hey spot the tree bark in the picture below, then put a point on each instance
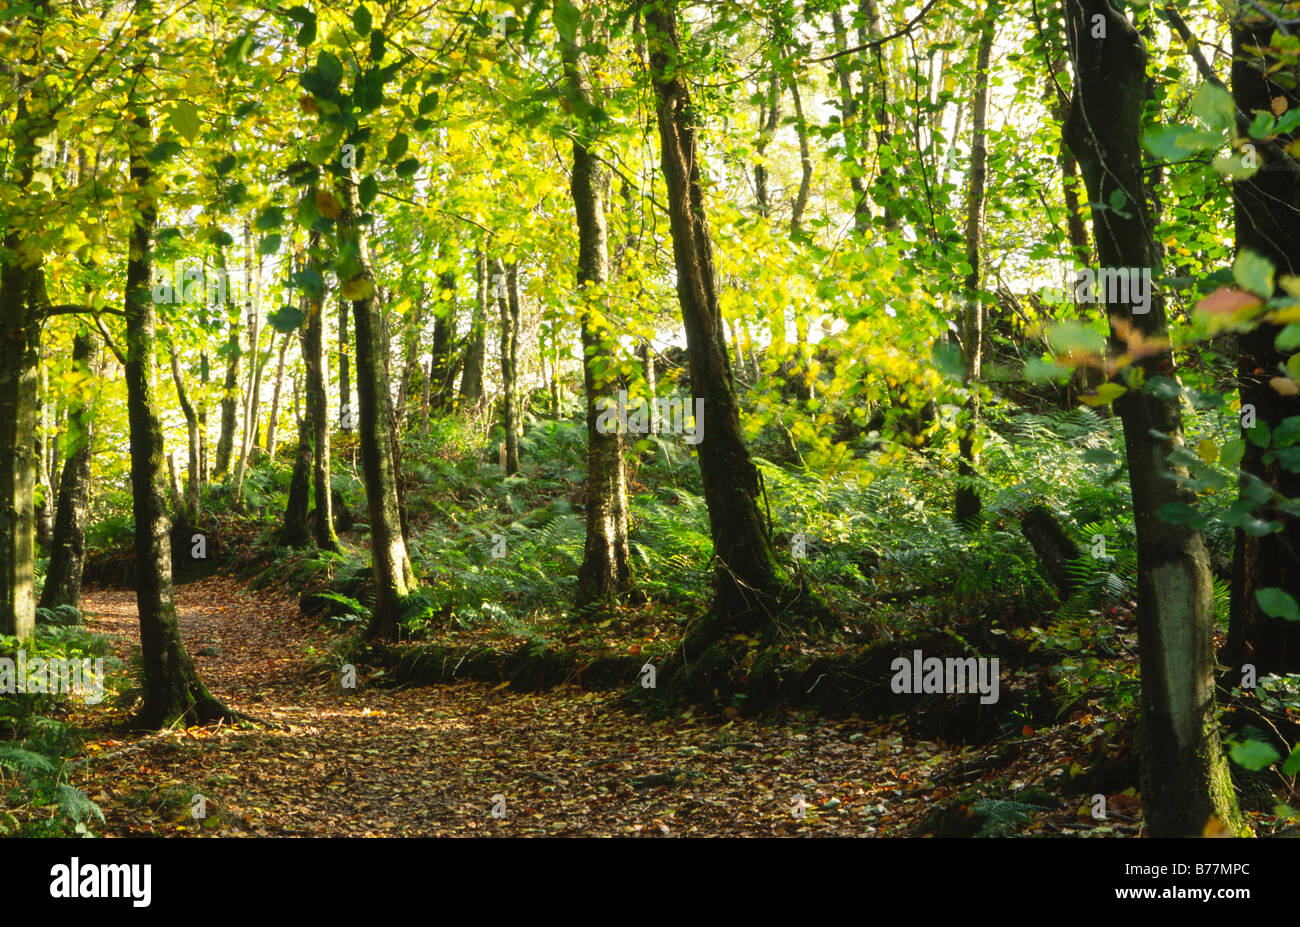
(1185, 778)
(967, 506)
(273, 425)
(1266, 207)
(20, 339)
(443, 364)
(508, 304)
(68, 550)
(471, 381)
(192, 430)
(313, 350)
(604, 573)
(747, 581)
(230, 388)
(171, 688)
(394, 577)
(347, 411)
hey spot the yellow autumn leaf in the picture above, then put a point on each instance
(1208, 451)
(358, 288)
(329, 206)
(1105, 394)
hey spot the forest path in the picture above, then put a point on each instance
(428, 761)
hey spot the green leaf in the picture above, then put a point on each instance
(329, 67)
(361, 20)
(428, 103)
(185, 117)
(237, 52)
(367, 189)
(310, 281)
(1232, 453)
(1254, 755)
(1254, 272)
(1076, 338)
(377, 44)
(1180, 513)
(287, 319)
(163, 151)
(1277, 603)
(1175, 143)
(1288, 339)
(1292, 764)
(1213, 106)
(1263, 125)
(269, 245)
(272, 217)
(397, 147)
(567, 20)
(408, 167)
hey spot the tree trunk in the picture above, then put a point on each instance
(411, 357)
(68, 550)
(192, 429)
(248, 439)
(1185, 779)
(747, 581)
(273, 426)
(508, 303)
(442, 366)
(313, 350)
(296, 532)
(967, 506)
(471, 381)
(1265, 213)
(800, 202)
(603, 574)
(849, 126)
(171, 688)
(45, 508)
(347, 411)
(20, 339)
(230, 388)
(394, 577)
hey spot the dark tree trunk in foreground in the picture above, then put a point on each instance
(1185, 780)
(295, 532)
(171, 688)
(604, 570)
(1267, 216)
(20, 336)
(394, 577)
(68, 550)
(747, 581)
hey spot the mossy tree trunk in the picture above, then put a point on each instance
(394, 577)
(172, 689)
(313, 350)
(747, 581)
(1266, 212)
(1185, 777)
(604, 572)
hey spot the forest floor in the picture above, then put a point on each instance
(437, 760)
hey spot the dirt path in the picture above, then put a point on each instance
(429, 761)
